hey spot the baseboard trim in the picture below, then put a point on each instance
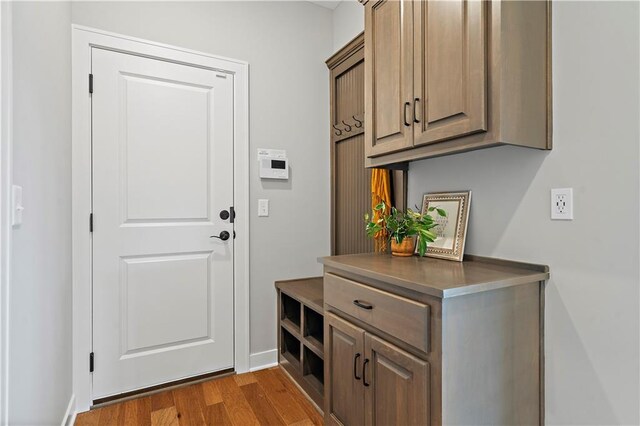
(262, 360)
(70, 415)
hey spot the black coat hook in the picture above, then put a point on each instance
(338, 131)
(358, 122)
(347, 127)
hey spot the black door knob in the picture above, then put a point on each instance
(224, 215)
(224, 236)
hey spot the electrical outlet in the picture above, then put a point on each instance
(562, 204)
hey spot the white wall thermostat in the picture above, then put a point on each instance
(273, 164)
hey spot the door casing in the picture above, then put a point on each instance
(83, 39)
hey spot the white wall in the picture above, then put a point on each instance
(40, 289)
(348, 22)
(592, 328)
(286, 44)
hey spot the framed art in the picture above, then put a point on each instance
(452, 229)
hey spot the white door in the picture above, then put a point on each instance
(162, 173)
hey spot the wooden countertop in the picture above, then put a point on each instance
(437, 277)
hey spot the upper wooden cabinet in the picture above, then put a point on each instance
(450, 70)
(443, 77)
(388, 76)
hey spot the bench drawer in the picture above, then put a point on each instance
(402, 318)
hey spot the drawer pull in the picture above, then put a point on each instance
(364, 372)
(355, 367)
(362, 305)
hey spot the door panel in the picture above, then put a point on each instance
(388, 76)
(344, 399)
(450, 65)
(398, 391)
(159, 136)
(176, 283)
(162, 169)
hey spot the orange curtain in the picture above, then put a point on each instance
(380, 193)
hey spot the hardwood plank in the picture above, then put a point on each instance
(301, 399)
(222, 401)
(137, 412)
(90, 418)
(217, 415)
(260, 404)
(190, 405)
(165, 417)
(161, 400)
(211, 392)
(244, 379)
(112, 415)
(238, 408)
(282, 401)
(305, 422)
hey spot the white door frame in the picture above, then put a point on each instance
(83, 39)
(6, 136)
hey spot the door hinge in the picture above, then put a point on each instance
(90, 222)
(91, 362)
(90, 83)
(232, 214)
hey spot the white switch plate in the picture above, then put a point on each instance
(263, 207)
(16, 205)
(562, 204)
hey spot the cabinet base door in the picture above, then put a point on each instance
(450, 69)
(344, 397)
(398, 391)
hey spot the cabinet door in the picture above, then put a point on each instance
(344, 353)
(450, 69)
(396, 385)
(388, 76)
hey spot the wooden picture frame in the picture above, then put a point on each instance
(452, 229)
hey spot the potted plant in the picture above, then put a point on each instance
(403, 228)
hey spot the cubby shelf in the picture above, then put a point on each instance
(301, 334)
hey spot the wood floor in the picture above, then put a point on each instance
(265, 397)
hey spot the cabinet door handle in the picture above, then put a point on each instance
(355, 367)
(406, 106)
(362, 305)
(364, 372)
(415, 114)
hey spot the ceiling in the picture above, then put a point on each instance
(329, 4)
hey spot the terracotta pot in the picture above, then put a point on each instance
(405, 248)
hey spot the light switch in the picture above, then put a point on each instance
(16, 205)
(263, 207)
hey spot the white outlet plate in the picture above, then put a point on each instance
(562, 204)
(263, 207)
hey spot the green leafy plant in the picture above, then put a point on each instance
(400, 225)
